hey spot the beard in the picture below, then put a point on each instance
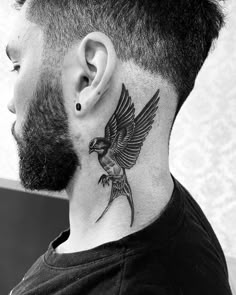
(47, 159)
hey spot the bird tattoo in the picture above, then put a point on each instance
(119, 149)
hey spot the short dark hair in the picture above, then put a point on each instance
(169, 37)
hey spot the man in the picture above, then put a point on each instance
(98, 86)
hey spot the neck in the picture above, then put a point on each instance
(151, 189)
(150, 182)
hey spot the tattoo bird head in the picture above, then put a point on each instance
(99, 145)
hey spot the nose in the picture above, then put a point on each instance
(11, 107)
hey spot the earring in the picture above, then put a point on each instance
(78, 107)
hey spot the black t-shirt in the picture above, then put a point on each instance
(177, 254)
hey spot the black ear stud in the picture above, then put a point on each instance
(78, 107)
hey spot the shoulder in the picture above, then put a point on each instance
(144, 273)
(197, 260)
(196, 236)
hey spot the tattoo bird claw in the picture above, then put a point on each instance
(104, 179)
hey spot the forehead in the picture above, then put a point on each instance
(24, 33)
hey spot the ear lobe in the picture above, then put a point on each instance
(98, 60)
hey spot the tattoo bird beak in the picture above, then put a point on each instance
(91, 150)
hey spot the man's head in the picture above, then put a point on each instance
(168, 37)
(67, 50)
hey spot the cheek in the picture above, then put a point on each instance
(25, 85)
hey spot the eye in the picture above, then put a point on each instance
(16, 68)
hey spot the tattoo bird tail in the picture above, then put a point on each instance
(120, 186)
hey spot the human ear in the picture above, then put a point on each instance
(97, 59)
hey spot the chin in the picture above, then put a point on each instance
(44, 180)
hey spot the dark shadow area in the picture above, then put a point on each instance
(28, 223)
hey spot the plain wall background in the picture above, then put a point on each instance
(203, 142)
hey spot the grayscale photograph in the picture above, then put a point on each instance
(118, 147)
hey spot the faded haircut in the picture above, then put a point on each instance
(168, 37)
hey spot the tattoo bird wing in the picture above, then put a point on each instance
(128, 156)
(121, 124)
